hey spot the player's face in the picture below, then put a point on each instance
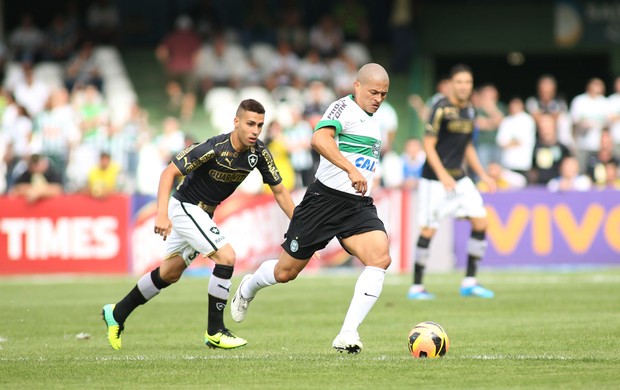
(371, 94)
(462, 86)
(248, 126)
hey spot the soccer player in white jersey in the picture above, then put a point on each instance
(336, 205)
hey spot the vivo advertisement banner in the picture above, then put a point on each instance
(536, 228)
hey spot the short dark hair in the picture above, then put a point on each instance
(459, 68)
(250, 105)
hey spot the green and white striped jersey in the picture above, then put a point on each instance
(358, 136)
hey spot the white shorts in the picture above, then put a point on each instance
(435, 203)
(193, 232)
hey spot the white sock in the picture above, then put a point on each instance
(367, 291)
(219, 288)
(469, 281)
(263, 277)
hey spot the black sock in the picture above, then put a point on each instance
(472, 266)
(418, 273)
(422, 255)
(216, 314)
(217, 304)
(472, 261)
(135, 298)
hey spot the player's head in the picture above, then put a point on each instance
(462, 83)
(371, 87)
(249, 121)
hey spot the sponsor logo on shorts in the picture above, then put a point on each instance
(215, 230)
(294, 246)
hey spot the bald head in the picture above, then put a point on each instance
(372, 72)
(371, 87)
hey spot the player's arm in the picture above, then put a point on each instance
(429, 143)
(324, 143)
(283, 197)
(471, 158)
(163, 226)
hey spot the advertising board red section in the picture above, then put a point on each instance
(67, 234)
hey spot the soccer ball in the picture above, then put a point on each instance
(428, 340)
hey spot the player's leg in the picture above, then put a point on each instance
(372, 249)
(422, 254)
(432, 197)
(148, 286)
(270, 272)
(473, 208)
(217, 334)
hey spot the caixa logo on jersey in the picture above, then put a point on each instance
(366, 164)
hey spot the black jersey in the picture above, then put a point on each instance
(453, 126)
(213, 170)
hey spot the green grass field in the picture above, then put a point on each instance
(543, 330)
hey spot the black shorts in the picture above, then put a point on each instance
(325, 213)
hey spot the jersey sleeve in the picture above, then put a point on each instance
(194, 156)
(434, 120)
(267, 168)
(331, 117)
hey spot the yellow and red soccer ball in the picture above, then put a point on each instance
(428, 340)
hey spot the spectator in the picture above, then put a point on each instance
(61, 39)
(612, 181)
(589, 112)
(276, 143)
(596, 163)
(178, 52)
(569, 179)
(40, 180)
(505, 179)
(327, 37)
(17, 136)
(344, 71)
(423, 109)
(413, 158)
(516, 138)
(297, 138)
(92, 115)
(31, 93)
(172, 139)
(490, 114)
(548, 152)
(614, 116)
(103, 22)
(82, 69)
(56, 131)
(284, 68)
(27, 41)
(220, 64)
(311, 67)
(103, 179)
(546, 101)
(388, 124)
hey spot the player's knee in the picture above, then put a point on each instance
(170, 274)
(382, 261)
(285, 275)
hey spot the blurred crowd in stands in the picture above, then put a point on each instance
(71, 121)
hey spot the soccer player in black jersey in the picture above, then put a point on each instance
(212, 170)
(445, 189)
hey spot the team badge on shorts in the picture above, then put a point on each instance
(294, 246)
(215, 230)
(252, 160)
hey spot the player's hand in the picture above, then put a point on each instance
(449, 183)
(490, 182)
(163, 226)
(358, 182)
